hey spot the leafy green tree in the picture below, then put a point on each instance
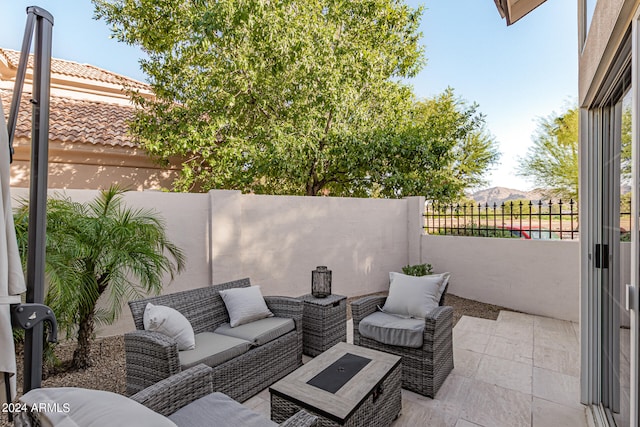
(442, 149)
(99, 248)
(293, 97)
(552, 162)
(625, 149)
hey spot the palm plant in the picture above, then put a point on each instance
(100, 249)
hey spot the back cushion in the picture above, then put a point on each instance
(203, 307)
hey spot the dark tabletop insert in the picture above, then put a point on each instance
(339, 372)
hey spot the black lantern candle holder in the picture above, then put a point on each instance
(321, 282)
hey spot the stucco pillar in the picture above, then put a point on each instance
(225, 235)
(415, 228)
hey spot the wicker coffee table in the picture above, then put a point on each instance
(344, 386)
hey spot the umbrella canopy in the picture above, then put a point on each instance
(12, 282)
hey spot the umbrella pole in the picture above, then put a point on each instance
(33, 345)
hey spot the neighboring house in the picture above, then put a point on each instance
(608, 85)
(89, 143)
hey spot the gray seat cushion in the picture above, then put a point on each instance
(393, 330)
(74, 407)
(217, 409)
(212, 349)
(260, 331)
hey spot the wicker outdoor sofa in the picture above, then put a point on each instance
(151, 356)
(187, 399)
(423, 369)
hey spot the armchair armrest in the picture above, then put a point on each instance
(150, 357)
(360, 309)
(363, 307)
(439, 321)
(177, 391)
(301, 419)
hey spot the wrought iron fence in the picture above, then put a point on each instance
(552, 220)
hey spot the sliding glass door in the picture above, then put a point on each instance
(606, 341)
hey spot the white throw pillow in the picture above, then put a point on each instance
(413, 296)
(80, 407)
(245, 305)
(172, 323)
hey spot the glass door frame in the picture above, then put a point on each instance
(600, 299)
(633, 296)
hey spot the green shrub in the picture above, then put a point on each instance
(417, 270)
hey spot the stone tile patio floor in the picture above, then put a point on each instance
(519, 370)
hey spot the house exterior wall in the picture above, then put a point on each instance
(93, 167)
(610, 21)
(89, 144)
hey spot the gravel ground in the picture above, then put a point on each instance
(108, 370)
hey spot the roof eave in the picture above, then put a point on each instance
(514, 10)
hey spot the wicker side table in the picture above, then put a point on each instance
(324, 323)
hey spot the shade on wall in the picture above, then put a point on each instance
(513, 10)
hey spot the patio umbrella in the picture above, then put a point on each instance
(12, 282)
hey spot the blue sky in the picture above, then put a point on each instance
(516, 74)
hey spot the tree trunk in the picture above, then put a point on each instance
(314, 185)
(82, 353)
(312, 188)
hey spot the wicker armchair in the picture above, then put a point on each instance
(152, 357)
(176, 392)
(423, 369)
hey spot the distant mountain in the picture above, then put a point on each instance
(499, 195)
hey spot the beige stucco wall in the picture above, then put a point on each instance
(278, 241)
(85, 176)
(86, 166)
(537, 277)
(534, 276)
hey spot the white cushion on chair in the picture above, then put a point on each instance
(413, 296)
(245, 305)
(170, 322)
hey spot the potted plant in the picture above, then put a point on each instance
(417, 270)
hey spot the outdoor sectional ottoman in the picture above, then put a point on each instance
(240, 374)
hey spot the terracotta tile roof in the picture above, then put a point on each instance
(77, 121)
(75, 69)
